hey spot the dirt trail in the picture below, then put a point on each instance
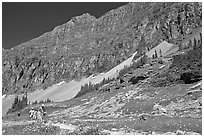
(65, 126)
(14, 123)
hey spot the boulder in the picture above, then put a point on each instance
(179, 132)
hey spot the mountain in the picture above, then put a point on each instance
(86, 45)
(136, 70)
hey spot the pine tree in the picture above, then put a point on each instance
(15, 103)
(103, 81)
(24, 101)
(153, 56)
(148, 49)
(96, 86)
(85, 87)
(195, 43)
(36, 102)
(190, 43)
(156, 54)
(160, 53)
(179, 46)
(201, 36)
(48, 100)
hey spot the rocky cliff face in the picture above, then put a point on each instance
(86, 45)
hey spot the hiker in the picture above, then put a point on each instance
(32, 113)
(39, 116)
(42, 109)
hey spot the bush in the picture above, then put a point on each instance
(134, 80)
(190, 77)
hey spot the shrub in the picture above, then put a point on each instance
(135, 80)
(190, 77)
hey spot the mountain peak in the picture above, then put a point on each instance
(86, 44)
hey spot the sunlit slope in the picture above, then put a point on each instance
(65, 91)
(165, 47)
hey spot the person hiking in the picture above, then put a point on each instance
(39, 116)
(42, 109)
(33, 114)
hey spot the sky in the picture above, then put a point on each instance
(23, 21)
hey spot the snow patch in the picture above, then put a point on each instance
(60, 83)
(4, 96)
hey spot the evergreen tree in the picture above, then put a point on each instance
(24, 101)
(153, 56)
(96, 86)
(86, 87)
(195, 43)
(15, 103)
(160, 53)
(41, 102)
(36, 102)
(156, 54)
(180, 46)
(103, 81)
(201, 36)
(190, 43)
(91, 87)
(48, 100)
(148, 49)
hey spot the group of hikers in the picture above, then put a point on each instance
(38, 114)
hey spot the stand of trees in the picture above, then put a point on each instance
(46, 101)
(185, 68)
(19, 104)
(155, 54)
(92, 87)
(134, 66)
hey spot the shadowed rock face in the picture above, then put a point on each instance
(86, 45)
(135, 80)
(189, 77)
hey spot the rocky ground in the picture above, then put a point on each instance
(131, 104)
(138, 109)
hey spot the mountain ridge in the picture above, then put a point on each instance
(91, 45)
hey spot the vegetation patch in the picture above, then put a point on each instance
(185, 68)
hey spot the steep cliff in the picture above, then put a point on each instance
(87, 45)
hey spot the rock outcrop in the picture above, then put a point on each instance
(86, 45)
